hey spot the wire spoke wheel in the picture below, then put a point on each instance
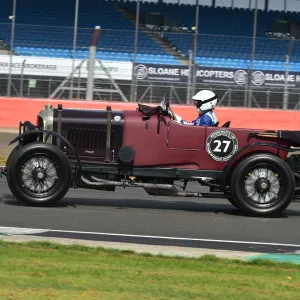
(39, 173)
(263, 185)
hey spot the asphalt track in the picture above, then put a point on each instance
(132, 216)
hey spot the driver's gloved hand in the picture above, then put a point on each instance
(178, 118)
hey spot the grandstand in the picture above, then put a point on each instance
(225, 35)
(46, 29)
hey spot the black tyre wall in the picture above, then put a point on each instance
(15, 165)
(237, 185)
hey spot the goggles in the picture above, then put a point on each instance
(199, 103)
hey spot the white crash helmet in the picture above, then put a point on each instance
(205, 100)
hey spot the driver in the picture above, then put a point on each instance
(205, 102)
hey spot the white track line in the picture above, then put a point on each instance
(20, 230)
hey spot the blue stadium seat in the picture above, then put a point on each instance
(44, 36)
(225, 35)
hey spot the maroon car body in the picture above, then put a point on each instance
(182, 146)
(103, 149)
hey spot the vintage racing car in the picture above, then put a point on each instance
(103, 149)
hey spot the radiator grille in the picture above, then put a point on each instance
(88, 138)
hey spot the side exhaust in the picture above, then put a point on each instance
(151, 188)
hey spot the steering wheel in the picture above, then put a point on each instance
(169, 109)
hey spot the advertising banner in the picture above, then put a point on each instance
(59, 67)
(237, 77)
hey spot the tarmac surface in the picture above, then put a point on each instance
(132, 216)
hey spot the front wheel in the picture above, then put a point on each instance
(263, 185)
(39, 174)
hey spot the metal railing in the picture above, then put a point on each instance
(147, 92)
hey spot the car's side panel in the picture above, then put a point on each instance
(242, 138)
(242, 134)
(152, 149)
(186, 137)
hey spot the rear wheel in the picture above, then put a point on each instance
(39, 174)
(232, 201)
(228, 195)
(263, 185)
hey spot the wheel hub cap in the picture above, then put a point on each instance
(262, 185)
(39, 174)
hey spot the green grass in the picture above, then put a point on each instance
(52, 271)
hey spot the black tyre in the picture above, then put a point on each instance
(232, 201)
(11, 154)
(39, 174)
(263, 185)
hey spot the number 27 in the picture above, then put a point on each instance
(219, 143)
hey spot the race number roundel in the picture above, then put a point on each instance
(221, 145)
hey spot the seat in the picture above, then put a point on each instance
(227, 124)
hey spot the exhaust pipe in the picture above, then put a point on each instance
(151, 188)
